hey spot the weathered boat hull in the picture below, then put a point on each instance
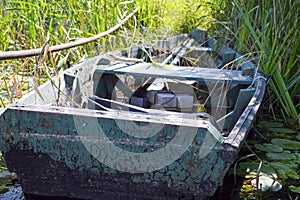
(93, 154)
(59, 158)
(57, 163)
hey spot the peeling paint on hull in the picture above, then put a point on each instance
(59, 159)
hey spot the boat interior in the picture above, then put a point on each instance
(182, 75)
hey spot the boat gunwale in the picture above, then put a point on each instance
(116, 115)
(236, 135)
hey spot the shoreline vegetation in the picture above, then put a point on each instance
(266, 31)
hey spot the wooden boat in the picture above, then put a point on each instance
(161, 121)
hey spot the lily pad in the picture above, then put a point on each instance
(279, 135)
(253, 167)
(287, 144)
(286, 155)
(282, 130)
(269, 148)
(298, 137)
(268, 124)
(293, 175)
(298, 158)
(295, 189)
(288, 169)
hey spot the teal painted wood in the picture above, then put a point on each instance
(59, 149)
(230, 119)
(55, 135)
(176, 72)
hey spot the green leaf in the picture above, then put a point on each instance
(287, 144)
(286, 165)
(298, 158)
(298, 137)
(286, 155)
(293, 174)
(61, 64)
(282, 130)
(253, 167)
(269, 148)
(279, 135)
(295, 189)
(286, 169)
(268, 124)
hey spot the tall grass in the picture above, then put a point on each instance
(270, 29)
(33, 23)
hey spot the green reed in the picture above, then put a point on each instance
(33, 23)
(270, 29)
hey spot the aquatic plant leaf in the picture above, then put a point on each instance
(287, 144)
(269, 148)
(253, 167)
(286, 155)
(267, 183)
(282, 130)
(280, 135)
(288, 169)
(298, 158)
(295, 189)
(268, 124)
(293, 174)
(298, 137)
